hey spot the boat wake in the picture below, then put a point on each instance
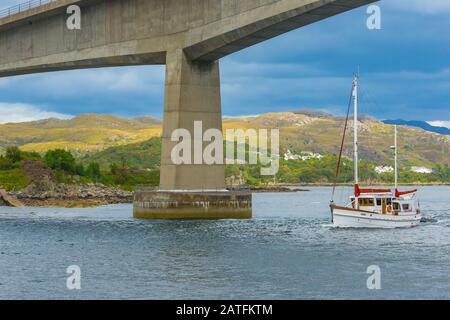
(429, 220)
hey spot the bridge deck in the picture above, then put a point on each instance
(10, 17)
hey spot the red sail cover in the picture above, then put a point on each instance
(398, 194)
(359, 191)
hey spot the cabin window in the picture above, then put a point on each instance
(389, 202)
(378, 202)
(396, 206)
(406, 207)
(364, 202)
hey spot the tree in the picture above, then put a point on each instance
(60, 160)
(93, 171)
(13, 154)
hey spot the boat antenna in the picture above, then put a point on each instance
(395, 147)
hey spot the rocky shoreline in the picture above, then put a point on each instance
(52, 195)
(72, 196)
(276, 189)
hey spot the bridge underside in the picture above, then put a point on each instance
(188, 36)
(141, 32)
(217, 47)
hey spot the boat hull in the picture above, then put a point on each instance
(349, 218)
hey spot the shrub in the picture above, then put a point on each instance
(93, 171)
(13, 154)
(60, 160)
(79, 170)
(113, 168)
(30, 155)
(6, 164)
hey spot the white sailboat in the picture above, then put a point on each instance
(374, 208)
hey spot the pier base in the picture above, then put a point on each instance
(192, 205)
(192, 95)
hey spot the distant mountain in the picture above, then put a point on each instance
(326, 115)
(147, 120)
(313, 113)
(318, 134)
(81, 134)
(420, 124)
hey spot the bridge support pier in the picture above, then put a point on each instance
(192, 93)
(195, 190)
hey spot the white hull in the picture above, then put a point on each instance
(356, 219)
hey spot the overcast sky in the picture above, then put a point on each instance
(405, 72)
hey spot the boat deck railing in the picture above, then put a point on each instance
(22, 7)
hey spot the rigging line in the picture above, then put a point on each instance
(338, 169)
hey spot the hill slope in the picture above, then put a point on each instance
(90, 137)
(299, 132)
(142, 155)
(89, 132)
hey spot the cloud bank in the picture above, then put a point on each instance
(20, 112)
(445, 124)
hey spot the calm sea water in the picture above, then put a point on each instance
(288, 251)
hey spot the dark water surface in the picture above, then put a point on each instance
(287, 251)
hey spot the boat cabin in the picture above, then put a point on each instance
(384, 203)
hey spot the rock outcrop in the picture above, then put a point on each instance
(7, 200)
(50, 194)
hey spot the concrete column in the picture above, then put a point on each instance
(192, 93)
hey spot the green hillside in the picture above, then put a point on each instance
(88, 137)
(136, 164)
(143, 155)
(146, 155)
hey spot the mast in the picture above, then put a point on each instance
(338, 167)
(355, 128)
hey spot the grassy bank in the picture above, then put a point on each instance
(13, 179)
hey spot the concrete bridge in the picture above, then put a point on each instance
(188, 36)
